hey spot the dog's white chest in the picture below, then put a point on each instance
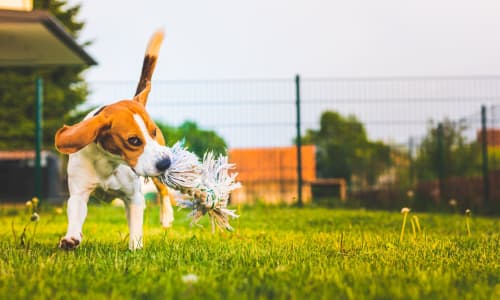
(93, 165)
(122, 178)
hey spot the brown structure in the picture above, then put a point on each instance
(33, 38)
(270, 174)
(492, 137)
(340, 182)
(17, 174)
(36, 38)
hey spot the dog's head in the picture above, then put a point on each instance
(124, 129)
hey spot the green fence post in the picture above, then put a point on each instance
(38, 136)
(440, 162)
(299, 142)
(484, 144)
(411, 171)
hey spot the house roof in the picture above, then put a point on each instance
(36, 38)
(20, 154)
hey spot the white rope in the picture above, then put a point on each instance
(208, 184)
(185, 169)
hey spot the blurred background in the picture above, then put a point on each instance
(378, 104)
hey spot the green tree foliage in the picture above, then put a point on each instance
(64, 89)
(452, 156)
(196, 139)
(344, 151)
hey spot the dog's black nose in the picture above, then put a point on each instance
(163, 164)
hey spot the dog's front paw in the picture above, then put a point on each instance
(69, 243)
(135, 244)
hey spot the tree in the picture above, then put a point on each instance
(344, 151)
(64, 90)
(448, 153)
(197, 140)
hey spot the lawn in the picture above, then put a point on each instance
(278, 253)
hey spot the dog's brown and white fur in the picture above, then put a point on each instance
(111, 149)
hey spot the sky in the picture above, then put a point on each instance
(228, 39)
(279, 38)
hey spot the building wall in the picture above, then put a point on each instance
(269, 175)
(492, 137)
(17, 177)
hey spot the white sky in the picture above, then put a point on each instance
(279, 38)
(228, 39)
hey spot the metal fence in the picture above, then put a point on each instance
(442, 134)
(400, 112)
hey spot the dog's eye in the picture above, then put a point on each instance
(134, 141)
(154, 132)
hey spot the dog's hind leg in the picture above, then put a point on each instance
(166, 201)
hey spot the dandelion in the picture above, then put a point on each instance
(190, 278)
(404, 211)
(467, 222)
(28, 204)
(35, 201)
(281, 268)
(59, 210)
(117, 202)
(35, 217)
(453, 204)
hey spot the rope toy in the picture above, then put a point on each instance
(207, 184)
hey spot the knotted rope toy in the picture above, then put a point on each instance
(208, 184)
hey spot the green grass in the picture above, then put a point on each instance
(279, 253)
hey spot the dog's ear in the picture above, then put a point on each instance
(70, 139)
(142, 97)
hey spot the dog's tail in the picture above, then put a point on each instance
(150, 58)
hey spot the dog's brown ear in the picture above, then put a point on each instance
(148, 66)
(70, 139)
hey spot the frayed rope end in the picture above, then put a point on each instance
(208, 183)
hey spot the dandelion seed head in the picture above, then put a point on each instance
(405, 210)
(410, 193)
(190, 278)
(117, 202)
(452, 202)
(29, 203)
(467, 212)
(35, 217)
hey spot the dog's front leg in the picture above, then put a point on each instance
(166, 210)
(166, 199)
(135, 217)
(77, 212)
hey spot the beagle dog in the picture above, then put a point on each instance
(110, 150)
